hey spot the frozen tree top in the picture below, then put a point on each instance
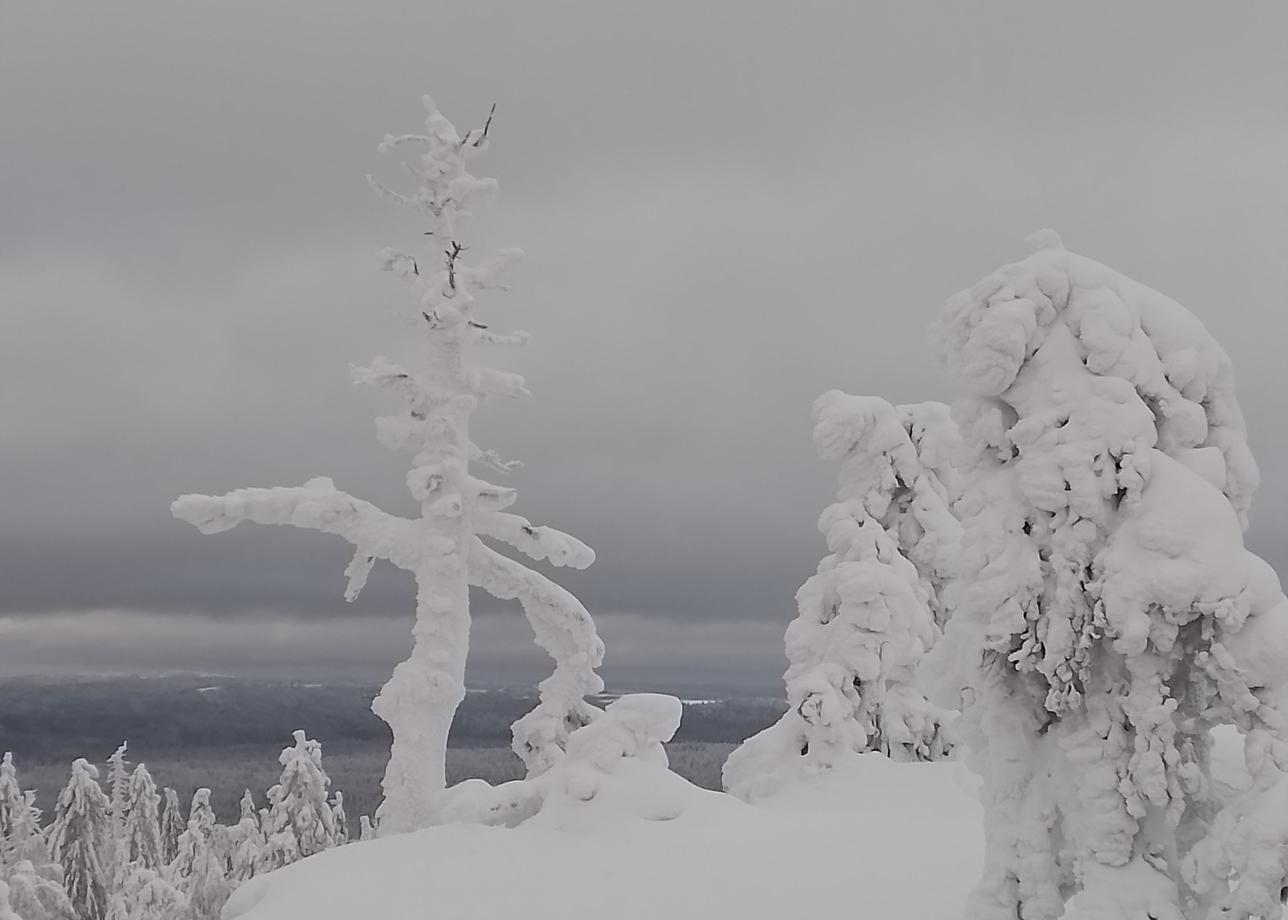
(1121, 330)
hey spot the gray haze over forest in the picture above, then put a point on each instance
(728, 207)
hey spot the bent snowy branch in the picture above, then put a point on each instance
(564, 629)
(316, 505)
(537, 542)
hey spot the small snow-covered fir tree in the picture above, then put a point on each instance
(80, 839)
(339, 819)
(1107, 615)
(20, 835)
(201, 866)
(366, 831)
(118, 788)
(143, 846)
(173, 824)
(870, 613)
(300, 820)
(246, 842)
(443, 548)
(35, 880)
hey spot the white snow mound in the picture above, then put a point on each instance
(617, 834)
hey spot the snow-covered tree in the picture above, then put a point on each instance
(201, 866)
(1108, 616)
(173, 824)
(80, 839)
(870, 613)
(20, 834)
(118, 788)
(35, 880)
(339, 819)
(142, 834)
(366, 830)
(246, 842)
(443, 548)
(300, 820)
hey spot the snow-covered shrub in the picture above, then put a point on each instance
(1108, 616)
(874, 607)
(300, 821)
(443, 548)
(80, 840)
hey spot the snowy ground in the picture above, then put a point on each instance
(862, 842)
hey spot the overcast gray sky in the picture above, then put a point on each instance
(728, 207)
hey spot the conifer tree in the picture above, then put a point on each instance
(301, 822)
(118, 789)
(339, 819)
(81, 841)
(870, 613)
(201, 866)
(143, 846)
(246, 843)
(1108, 615)
(443, 548)
(173, 824)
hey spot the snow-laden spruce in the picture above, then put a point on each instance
(300, 819)
(201, 866)
(142, 829)
(80, 840)
(1108, 616)
(444, 548)
(874, 607)
(35, 881)
(173, 824)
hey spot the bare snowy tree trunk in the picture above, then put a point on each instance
(421, 697)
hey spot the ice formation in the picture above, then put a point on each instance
(444, 548)
(1108, 616)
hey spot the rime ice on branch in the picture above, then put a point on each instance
(1107, 615)
(444, 548)
(870, 613)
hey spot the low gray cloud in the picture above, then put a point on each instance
(727, 209)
